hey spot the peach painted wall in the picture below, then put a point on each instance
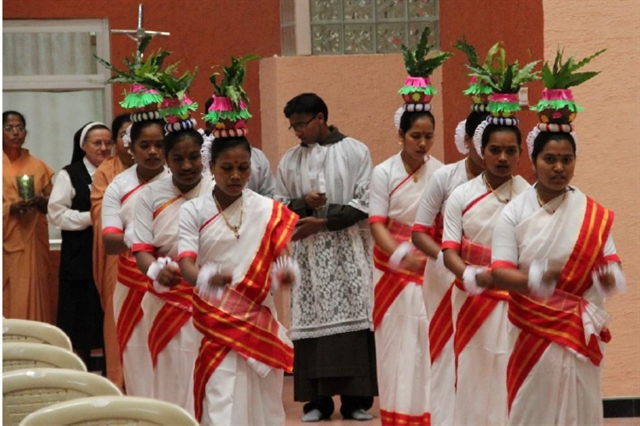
(608, 167)
(361, 94)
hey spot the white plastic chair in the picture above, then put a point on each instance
(20, 355)
(19, 330)
(26, 391)
(112, 410)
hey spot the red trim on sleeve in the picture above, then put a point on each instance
(610, 258)
(112, 230)
(377, 219)
(187, 254)
(138, 247)
(423, 229)
(451, 245)
(503, 264)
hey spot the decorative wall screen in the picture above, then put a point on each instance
(359, 26)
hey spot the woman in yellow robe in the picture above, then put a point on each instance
(26, 289)
(105, 266)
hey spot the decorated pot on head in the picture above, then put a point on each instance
(505, 81)
(478, 89)
(557, 109)
(228, 112)
(418, 91)
(176, 107)
(143, 95)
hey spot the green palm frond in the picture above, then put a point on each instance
(416, 62)
(564, 75)
(232, 79)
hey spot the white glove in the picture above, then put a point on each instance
(156, 267)
(204, 289)
(537, 288)
(282, 266)
(399, 253)
(469, 279)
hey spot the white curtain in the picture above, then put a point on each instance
(52, 116)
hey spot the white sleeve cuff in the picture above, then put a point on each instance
(536, 287)
(620, 281)
(469, 279)
(400, 252)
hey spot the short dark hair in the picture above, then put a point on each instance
(306, 103)
(473, 121)
(493, 128)
(408, 118)
(6, 114)
(545, 137)
(139, 126)
(220, 145)
(117, 123)
(173, 138)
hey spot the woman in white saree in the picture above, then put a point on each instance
(229, 241)
(480, 318)
(553, 249)
(438, 280)
(173, 341)
(117, 233)
(399, 315)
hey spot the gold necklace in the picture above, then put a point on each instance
(502, 200)
(234, 229)
(544, 205)
(409, 172)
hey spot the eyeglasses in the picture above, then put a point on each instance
(98, 144)
(9, 128)
(301, 126)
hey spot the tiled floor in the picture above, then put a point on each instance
(294, 412)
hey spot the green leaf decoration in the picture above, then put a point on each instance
(492, 68)
(510, 80)
(138, 70)
(416, 62)
(429, 90)
(215, 116)
(178, 111)
(140, 100)
(556, 104)
(503, 107)
(232, 80)
(171, 86)
(468, 50)
(563, 75)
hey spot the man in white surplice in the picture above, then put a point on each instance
(325, 180)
